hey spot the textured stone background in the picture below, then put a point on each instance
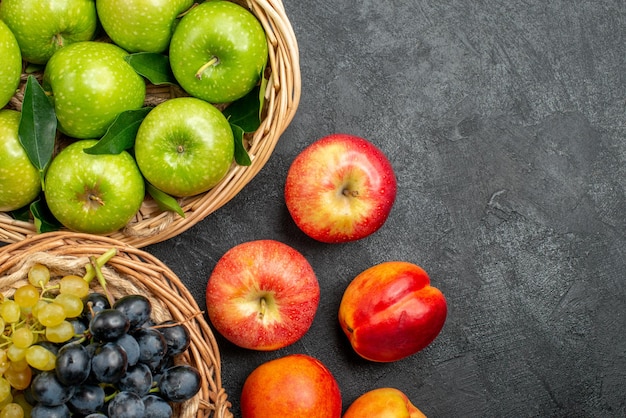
(505, 123)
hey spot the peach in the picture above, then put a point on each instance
(383, 403)
(390, 311)
(293, 386)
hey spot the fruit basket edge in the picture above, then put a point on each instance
(134, 271)
(282, 96)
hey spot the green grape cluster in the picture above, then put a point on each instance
(36, 314)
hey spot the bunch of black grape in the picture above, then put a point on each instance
(120, 364)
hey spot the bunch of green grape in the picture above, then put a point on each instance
(37, 314)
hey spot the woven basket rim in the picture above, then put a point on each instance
(133, 271)
(151, 225)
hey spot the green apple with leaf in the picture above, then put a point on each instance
(141, 25)
(184, 146)
(91, 83)
(19, 179)
(11, 68)
(218, 51)
(96, 194)
(41, 27)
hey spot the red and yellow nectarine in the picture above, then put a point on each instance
(293, 386)
(383, 403)
(390, 311)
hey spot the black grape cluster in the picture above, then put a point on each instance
(120, 364)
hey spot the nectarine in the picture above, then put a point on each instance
(383, 403)
(391, 311)
(293, 386)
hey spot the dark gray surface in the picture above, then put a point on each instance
(505, 124)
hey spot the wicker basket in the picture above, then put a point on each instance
(152, 225)
(131, 271)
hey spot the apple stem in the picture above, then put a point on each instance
(58, 40)
(213, 61)
(263, 308)
(96, 199)
(350, 193)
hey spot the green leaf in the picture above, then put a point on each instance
(241, 155)
(244, 116)
(38, 126)
(245, 112)
(44, 220)
(22, 214)
(154, 67)
(33, 68)
(164, 201)
(121, 133)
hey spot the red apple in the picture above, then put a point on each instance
(383, 403)
(340, 188)
(262, 295)
(294, 386)
(390, 311)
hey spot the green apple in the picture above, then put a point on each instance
(91, 83)
(184, 146)
(97, 194)
(43, 26)
(141, 25)
(11, 68)
(218, 51)
(19, 179)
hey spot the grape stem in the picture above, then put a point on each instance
(173, 324)
(111, 396)
(101, 279)
(90, 271)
